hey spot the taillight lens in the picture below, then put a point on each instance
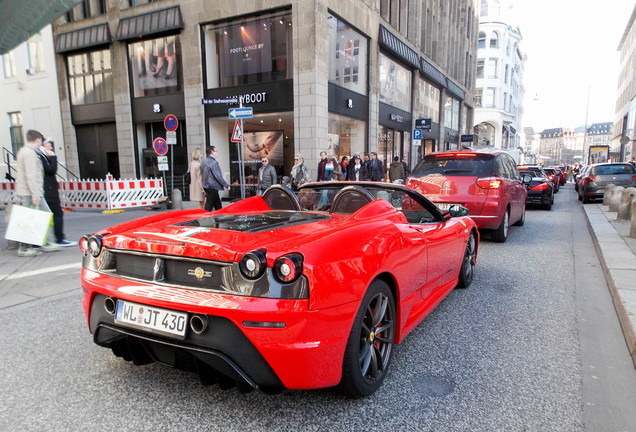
(253, 264)
(489, 183)
(589, 179)
(634, 178)
(542, 186)
(288, 267)
(550, 177)
(83, 243)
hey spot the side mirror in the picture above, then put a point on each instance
(456, 210)
(527, 179)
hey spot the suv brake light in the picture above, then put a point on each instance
(489, 183)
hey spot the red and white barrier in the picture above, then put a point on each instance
(97, 194)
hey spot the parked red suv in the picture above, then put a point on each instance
(487, 182)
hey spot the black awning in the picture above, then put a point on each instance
(21, 19)
(93, 36)
(455, 90)
(161, 21)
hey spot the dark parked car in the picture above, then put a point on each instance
(598, 176)
(561, 173)
(577, 178)
(554, 177)
(540, 189)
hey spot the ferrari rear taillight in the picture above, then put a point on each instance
(542, 186)
(489, 183)
(288, 267)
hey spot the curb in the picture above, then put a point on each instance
(624, 308)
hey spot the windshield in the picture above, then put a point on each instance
(451, 165)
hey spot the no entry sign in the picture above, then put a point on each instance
(160, 145)
(171, 123)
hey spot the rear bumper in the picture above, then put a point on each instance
(305, 353)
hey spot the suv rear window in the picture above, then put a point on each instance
(451, 165)
(614, 169)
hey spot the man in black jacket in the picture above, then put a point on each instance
(51, 192)
(212, 180)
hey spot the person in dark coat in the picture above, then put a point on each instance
(375, 168)
(51, 192)
(356, 170)
(212, 180)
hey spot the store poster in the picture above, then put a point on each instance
(267, 144)
(247, 49)
(598, 154)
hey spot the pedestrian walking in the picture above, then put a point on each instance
(29, 185)
(375, 168)
(266, 176)
(212, 180)
(51, 191)
(197, 193)
(396, 171)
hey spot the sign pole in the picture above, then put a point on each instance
(241, 161)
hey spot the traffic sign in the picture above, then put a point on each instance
(162, 163)
(245, 112)
(171, 137)
(160, 145)
(171, 123)
(237, 133)
(417, 134)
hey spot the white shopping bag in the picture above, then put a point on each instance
(28, 225)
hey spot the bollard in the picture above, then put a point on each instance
(615, 198)
(607, 194)
(625, 204)
(177, 203)
(632, 227)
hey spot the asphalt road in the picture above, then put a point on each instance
(532, 345)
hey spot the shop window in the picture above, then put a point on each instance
(90, 77)
(155, 66)
(347, 56)
(429, 100)
(249, 51)
(346, 136)
(395, 84)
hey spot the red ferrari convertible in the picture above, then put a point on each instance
(285, 290)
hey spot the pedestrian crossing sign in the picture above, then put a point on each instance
(237, 134)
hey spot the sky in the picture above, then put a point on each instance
(571, 48)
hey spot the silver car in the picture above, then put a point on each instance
(597, 176)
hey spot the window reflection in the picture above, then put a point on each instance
(90, 77)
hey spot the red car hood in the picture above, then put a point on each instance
(223, 236)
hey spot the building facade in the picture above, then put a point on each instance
(30, 99)
(624, 130)
(320, 75)
(555, 146)
(499, 87)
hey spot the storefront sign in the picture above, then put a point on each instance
(396, 117)
(423, 123)
(247, 49)
(467, 138)
(248, 98)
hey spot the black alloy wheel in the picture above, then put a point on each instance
(467, 272)
(370, 345)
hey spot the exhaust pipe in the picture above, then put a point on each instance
(109, 305)
(198, 323)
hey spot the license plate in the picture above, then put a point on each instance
(150, 318)
(445, 206)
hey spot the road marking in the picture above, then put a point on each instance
(41, 271)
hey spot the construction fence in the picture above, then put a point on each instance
(106, 194)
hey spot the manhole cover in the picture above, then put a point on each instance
(433, 386)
